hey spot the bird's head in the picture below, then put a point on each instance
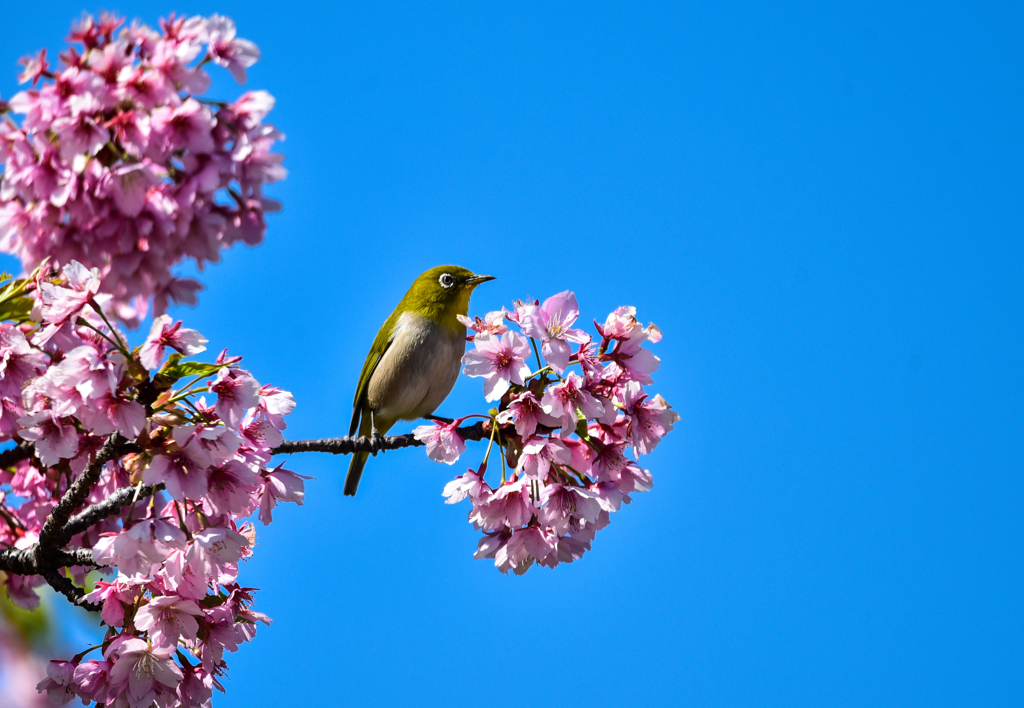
(443, 292)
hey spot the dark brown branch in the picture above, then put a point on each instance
(47, 554)
(68, 589)
(349, 444)
(21, 451)
(47, 557)
(108, 507)
(20, 561)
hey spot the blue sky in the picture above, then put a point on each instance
(819, 204)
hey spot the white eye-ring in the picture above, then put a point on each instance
(446, 280)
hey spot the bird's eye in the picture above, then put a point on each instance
(446, 280)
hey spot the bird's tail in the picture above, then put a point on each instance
(355, 468)
(355, 472)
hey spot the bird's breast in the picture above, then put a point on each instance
(418, 370)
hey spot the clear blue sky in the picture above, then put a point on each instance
(821, 206)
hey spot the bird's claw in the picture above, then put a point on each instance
(376, 442)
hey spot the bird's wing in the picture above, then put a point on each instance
(381, 342)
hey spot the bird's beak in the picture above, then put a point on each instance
(475, 280)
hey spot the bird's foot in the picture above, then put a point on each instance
(376, 442)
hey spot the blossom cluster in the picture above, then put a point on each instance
(119, 164)
(564, 434)
(197, 468)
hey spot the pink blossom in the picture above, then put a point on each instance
(230, 488)
(259, 435)
(29, 482)
(529, 544)
(621, 323)
(117, 165)
(82, 377)
(130, 188)
(500, 360)
(635, 362)
(564, 399)
(492, 323)
(180, 472)
(538, 455)
(59, 682)
(58, 303)
(20, 589)
(510, 505)
(185, 127)
(236, 391)
(252, 107)
(552, 324)
(141, 549)
(179, 577)
(565, 506)
(54, 439)
(571, 548)
(491, 544)
(115, 597)
(469, 485)
(280, 485)
(650, 420)
(163, 334)
(275, 404)
(35, 68)
(608, 458)
(235, 54)
(78, 132)
(222, 632)
(528, 413)
(92, 681)
(214, 550)
(168, 619)
(196, 687)
(444, 444)
(19, 362)
(207, 445)
(144, 669)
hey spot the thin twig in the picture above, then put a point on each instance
(349, 444)
(108, 507)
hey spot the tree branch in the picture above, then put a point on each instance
(47, 554)
(21, 451)
(110, 506)
(47, 557)
(349, 444)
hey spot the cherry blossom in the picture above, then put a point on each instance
(443, 442)
(501, 360)
(72, 389)
(119, 163)
(563, 434)
(163, 334)
(551, 323)
(143, 669)
(565, 399)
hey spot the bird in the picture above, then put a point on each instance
(414, 360)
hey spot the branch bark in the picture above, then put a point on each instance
(48, 556)
(348, 444)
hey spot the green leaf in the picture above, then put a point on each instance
(196, 368)
(16, 310)
(14, 305)
(176, 369)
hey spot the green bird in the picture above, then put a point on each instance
(415, 357)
